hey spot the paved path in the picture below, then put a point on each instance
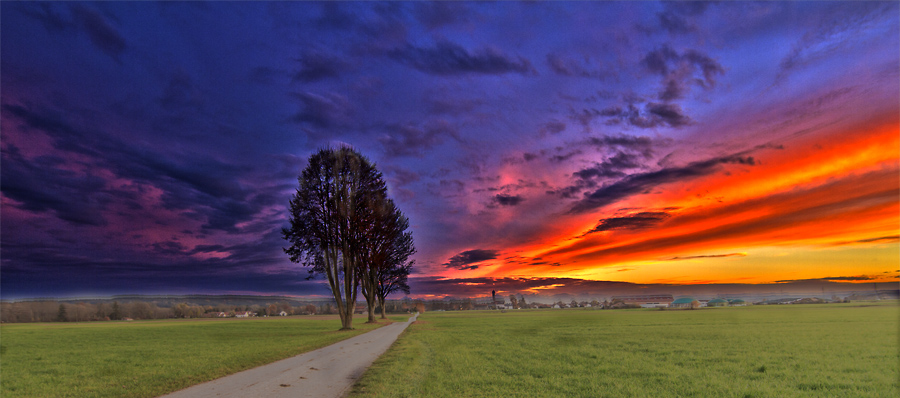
(326, 372)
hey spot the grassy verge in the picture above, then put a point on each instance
(766, 351)
(150, 358)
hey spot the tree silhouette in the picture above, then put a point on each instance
(332, 215)
(61, 314)
(386, 248)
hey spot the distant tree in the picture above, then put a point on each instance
(141, 310)
(310, 309)
(181, 310)
(116, 313)
(595, 303)
(514, 301)
(284, 306)
(330, 218)
(574, 303)
(61, 315)
(522, 303)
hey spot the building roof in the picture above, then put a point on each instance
(683, 300)
(717, 301)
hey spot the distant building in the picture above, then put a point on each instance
(684, 302)
(282, 313)
(647, 300)
(717, 303)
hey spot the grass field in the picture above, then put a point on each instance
(834, 350)
(150, 358)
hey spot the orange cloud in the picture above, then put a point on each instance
(837, 187)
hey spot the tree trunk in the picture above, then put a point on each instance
(371, 305)
(381, 301)
(347, 316)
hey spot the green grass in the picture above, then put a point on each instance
(150, 358)
(830, 350)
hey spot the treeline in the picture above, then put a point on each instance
(55, 311)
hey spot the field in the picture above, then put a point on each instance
(834, 350)
(150, 358)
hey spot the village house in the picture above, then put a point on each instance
(647, 300)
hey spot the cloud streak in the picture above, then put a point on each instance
(471, 259)
(447, 59)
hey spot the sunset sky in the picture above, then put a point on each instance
(536, 147)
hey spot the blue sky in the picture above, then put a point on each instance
(152, 147)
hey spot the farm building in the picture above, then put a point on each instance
(684, 302)
(737, 303)
(647, 300)
(717, 303)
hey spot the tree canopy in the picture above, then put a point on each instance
(343, 226)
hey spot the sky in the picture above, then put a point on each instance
(536, 147)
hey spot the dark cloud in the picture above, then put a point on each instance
(681, 71)
(318, 65)
(675, 24)
(323, 111)
(632, 222)
(470, 259)
(41, 186)
(706, 256)
(678, 15)
(552, 127)
(447, 59)
(614, 166)
(637, 144)
(47, 14)
(564, 157)
(437, 14)
(652, 115)
(507, 200)
(668, 114)
(575, 67)
(181, 94)
(206, 188)
(401, 176)
(409, 140)
(99, 29)
(101, 32)
(640, 183)
(880, 239)
(336, 16)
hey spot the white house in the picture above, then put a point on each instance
(282, 313)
